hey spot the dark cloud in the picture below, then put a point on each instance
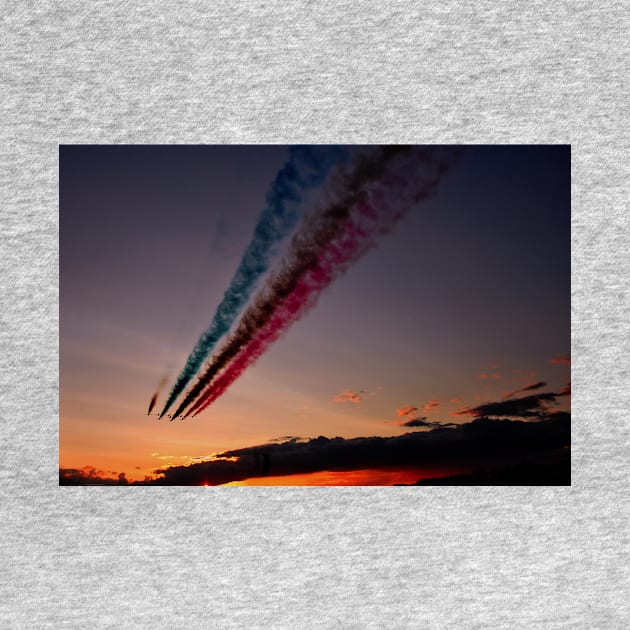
(480, 442)
(417, 422)
(286, 438)
(528, 388)
(535, 406)
(423, 422)
(88, 476)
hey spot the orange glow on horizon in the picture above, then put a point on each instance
(363, 477)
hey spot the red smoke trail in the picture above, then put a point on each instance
(409, 179)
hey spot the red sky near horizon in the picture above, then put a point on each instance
(362, 477)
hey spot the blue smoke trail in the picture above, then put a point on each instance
(307, 167)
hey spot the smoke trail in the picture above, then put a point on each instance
(292, 292)
(317, 231)
(306, 168)
(152, 403)
(161, 383)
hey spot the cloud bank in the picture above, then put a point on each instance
(481, 442)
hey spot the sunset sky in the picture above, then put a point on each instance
(467, 301)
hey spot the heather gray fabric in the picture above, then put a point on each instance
(243, 72)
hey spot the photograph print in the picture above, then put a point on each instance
(315, 315)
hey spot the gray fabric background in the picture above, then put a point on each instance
(230, 72)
